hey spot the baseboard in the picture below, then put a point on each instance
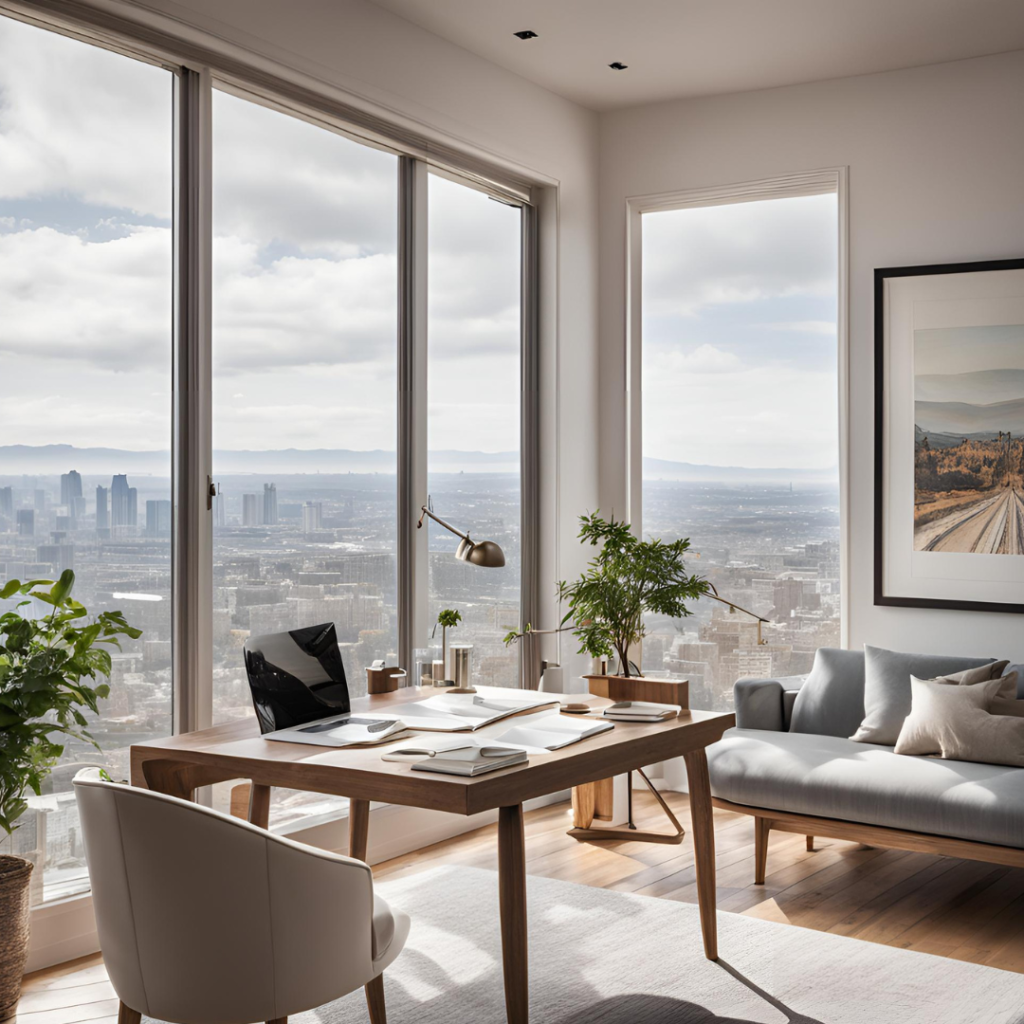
(66, 929)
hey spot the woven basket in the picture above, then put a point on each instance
(14, 879)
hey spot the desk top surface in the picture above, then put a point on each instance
(236, 750)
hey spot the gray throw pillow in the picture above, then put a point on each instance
(831, 701)
(887, 697)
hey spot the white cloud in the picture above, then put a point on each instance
(711, 256)
(824, 327)
(705, 359)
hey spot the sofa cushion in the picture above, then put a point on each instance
(831, 702)
(954, 722)
(887, 688)
(832, 777)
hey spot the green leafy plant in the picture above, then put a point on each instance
(447, 619)
(626, 578)
(47, 671)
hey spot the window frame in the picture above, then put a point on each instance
(829, 180)
(198, 70)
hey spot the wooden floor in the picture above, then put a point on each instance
(938, 905)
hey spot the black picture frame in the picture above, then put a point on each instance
(881, 275)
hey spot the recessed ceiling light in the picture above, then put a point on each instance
(526, 34)
(617, 65)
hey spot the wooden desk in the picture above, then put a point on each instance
(181, 764)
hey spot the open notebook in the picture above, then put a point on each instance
(467, 712)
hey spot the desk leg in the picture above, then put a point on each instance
(358, 828)
(259, 806)
(512, 898)
(703, 846)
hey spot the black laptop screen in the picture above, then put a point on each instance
(296, 677)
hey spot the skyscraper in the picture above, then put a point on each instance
(270, 504)
(40, 500)
(119, 501)
(102, 508)
(312, 516)
(158, 518)
(26, 522)
(7, 502)
(250, 515)
(70, 488)
(219, 513)
(133, 506)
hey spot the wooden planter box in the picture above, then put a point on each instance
(658, 691)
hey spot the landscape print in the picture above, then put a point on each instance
(969, 440)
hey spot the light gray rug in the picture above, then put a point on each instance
(600, 957)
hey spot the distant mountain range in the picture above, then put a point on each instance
(963, 418)
(51, 459)
(981, 387)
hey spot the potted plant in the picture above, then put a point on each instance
(625, 579)
(47, 672)
(447, 619)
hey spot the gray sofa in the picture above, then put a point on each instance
(790, 764)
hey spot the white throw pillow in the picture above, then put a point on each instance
(954, 722)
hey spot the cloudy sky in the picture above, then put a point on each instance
(305, 225)
(739, 334)
(739, 301)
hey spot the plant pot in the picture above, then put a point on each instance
(14, 879)
(658, 691)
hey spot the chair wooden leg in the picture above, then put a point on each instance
(375, 1000)
(126, 1015)
(810, 844)
(762, 826)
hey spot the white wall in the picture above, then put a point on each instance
(936, 158)
(389, 65)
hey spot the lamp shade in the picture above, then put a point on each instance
(481, 552)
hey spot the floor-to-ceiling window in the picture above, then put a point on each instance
(304, 393)
(85, 369)
(473, 419)
(101, 305)
(740, 432)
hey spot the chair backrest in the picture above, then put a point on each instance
(206, 919)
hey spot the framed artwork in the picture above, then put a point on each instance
(949, 436)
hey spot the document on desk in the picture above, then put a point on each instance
(548, 730)
(467, 712)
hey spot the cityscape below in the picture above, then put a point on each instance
(294, 549)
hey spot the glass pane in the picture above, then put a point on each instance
(304, 395)
(473, 419)
(740, 433)
(85, 360)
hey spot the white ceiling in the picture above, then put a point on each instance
(677, 48)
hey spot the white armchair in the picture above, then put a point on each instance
(205, 919)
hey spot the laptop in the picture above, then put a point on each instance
(300, 693)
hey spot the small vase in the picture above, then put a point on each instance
(15, 874)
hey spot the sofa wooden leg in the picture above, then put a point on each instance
(810, 844)
(762, 826)
(375, 1000)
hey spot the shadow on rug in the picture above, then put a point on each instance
(642, 1009)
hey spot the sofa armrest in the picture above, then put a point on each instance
(758, 704)
(766, 703)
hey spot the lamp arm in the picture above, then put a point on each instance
(437, 519)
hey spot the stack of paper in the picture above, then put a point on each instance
(548, 730)
(466, 712)
(640, 711)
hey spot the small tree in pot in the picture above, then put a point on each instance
(627, 578)
(48, 668)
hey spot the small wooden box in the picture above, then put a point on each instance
(384, 680)
(659, 691)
